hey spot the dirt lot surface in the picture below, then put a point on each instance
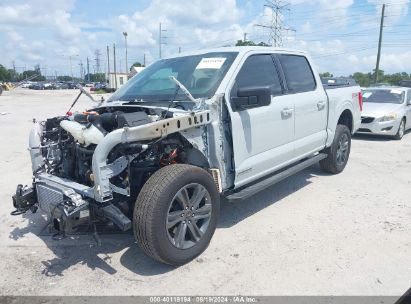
(312, 234)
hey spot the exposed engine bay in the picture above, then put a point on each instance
(69, 178)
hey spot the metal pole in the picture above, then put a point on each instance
(377, 67)
(245, 37)
(125, 39)
(144, 59)
(88, 70)
(71, 68)
(115, 67)
(159, 41)
(108, 62)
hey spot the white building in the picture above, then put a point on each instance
(116, 80)
(122, 78)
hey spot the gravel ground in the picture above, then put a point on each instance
(312, 234)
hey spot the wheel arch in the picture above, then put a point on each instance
(346, 119)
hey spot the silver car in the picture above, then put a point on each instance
(386, 111)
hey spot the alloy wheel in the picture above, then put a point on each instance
(188, 216)
(342, 150)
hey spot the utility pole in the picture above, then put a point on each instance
(144, 59)
(276, 24)
(81, 70)
(108, 62)
(14, 69)
(71, 69)
(245, 37)
(125, 40)
(179, 49)
(115, 67)
(377, 67)
(88, 70)
(71, 65)
(160, 39)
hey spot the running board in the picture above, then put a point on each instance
(267, 182)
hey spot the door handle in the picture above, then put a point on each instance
(287, 112)
(321, 105)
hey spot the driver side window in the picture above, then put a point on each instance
(259, 70)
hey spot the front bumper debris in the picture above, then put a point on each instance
(24, 200)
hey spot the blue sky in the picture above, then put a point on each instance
(341, 35)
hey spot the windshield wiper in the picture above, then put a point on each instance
(183, 88)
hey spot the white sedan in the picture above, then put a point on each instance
(386, 111)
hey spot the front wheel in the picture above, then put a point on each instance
(339, 151)
(401, 130)
(176, 214)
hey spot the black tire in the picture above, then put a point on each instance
(335, 163)
(400, 133)
(152, 211)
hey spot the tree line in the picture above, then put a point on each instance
(10, 75)
(367, 79)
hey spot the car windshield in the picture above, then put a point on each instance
(384, 96)
(200, 74)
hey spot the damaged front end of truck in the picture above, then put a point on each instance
(155, 157)
(90, 166)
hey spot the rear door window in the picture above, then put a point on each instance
(298, 73)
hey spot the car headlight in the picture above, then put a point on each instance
(389, 117)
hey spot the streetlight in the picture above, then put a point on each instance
(125, 40)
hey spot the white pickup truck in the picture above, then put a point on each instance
(188, 130)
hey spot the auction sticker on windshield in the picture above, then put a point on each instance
(211, 63)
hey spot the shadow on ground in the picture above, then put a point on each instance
(82, 248)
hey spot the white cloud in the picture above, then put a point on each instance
(393, 10)
(306, 27)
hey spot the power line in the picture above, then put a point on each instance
(344, 52)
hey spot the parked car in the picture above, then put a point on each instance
(72, 85)
(405, 83)
(37, 86)
(158, 155)
(386, 111)
(382, 84)
(61, 86)
(27, 84)
(98, 86)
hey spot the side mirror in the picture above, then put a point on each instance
(251, 97)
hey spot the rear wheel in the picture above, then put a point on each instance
(401, 130)
(339, 151)
(176, 214)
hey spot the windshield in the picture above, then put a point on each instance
(200, 74)
(384, 96)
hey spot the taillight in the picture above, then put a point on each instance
(360, 100)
